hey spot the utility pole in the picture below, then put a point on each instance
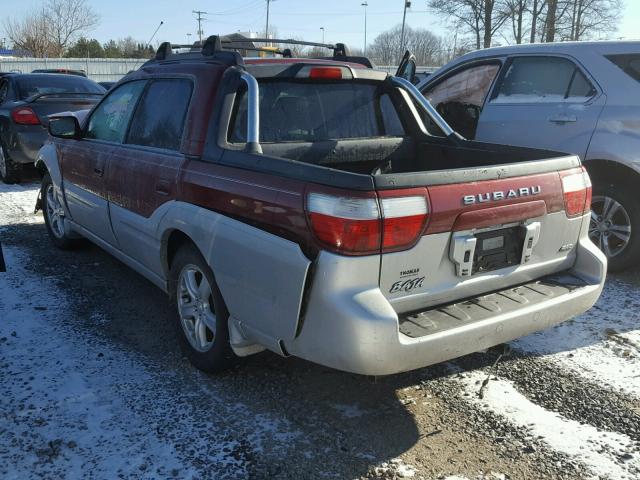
(322, 28)
(266, 28)
(365, 5)
(407, 4)
(200, 14)
(188, 39)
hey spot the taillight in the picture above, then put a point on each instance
(403, 220)
(356, 226)
(576, 187)
(25, 116)
(324, 72)
(345, 224)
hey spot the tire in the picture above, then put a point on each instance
(615, 224)
(53, 217)
(202, 317)
(10, 170)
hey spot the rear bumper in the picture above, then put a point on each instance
(354, 328)
(26, 143)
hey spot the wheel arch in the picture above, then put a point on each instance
(610, 171)
(172, 240)
(47, 161)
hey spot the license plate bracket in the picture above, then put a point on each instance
(498, 249)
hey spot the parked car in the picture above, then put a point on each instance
(26, 100)
(107, 85)
(62, 71)
(300, 205)
(581, 98)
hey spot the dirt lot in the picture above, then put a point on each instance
(93, 385)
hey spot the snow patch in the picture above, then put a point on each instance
(602, 345)
(599, 450)
(17, 203)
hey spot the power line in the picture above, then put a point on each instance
(200, 18)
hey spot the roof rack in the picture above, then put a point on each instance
(224, 49)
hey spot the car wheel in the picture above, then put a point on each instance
(202, 314)
(615, 225)
(10, 171)
(54, 216)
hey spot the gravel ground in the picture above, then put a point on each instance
(94, 386)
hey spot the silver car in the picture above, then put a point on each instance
(581, 98)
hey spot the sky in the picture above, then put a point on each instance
(343, 20)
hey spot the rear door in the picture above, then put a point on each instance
(459, 96)
(143, 171)
(545, 102)
(85, 161)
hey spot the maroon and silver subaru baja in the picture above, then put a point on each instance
(322, 209)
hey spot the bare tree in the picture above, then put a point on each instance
(481, 18)
(30, 35)
(518, 10)
(584, 19)
(68, 20)
(52, 29)
(536, 10)
(423, 44)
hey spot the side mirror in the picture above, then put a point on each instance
(64, 127)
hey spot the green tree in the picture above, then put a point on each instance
(85, 48)
(112, 50)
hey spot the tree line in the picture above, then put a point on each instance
(487, 22)
(58, 29)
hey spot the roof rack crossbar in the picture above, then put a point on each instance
(287, 41)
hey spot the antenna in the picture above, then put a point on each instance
(154, 34)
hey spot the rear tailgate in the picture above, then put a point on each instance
(485, 231)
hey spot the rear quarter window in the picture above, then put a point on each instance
(628, 63)
(315, 112)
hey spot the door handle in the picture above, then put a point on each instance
(162, 189)
(563, 118)
(98, 171)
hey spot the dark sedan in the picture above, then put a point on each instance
(26, 101)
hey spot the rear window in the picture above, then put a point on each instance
(628, 63)
(315, 112)
(43, 83)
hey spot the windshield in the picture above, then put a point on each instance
(313, 112)
(42, 83)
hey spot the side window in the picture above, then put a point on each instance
(109, 121)
(460, 97)
(159, 119)
(543, 79)
(629, 63)
(580, 88)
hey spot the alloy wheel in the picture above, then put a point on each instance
(610, 226)
(195, 307)
(55, 213)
